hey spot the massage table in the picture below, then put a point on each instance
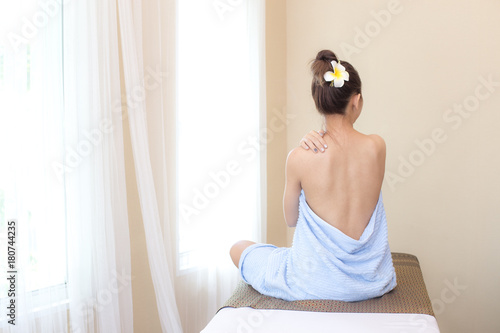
(406, 309)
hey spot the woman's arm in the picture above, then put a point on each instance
(292, 188)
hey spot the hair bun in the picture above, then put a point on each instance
(321, 65)
(326, 55)
(330, 99)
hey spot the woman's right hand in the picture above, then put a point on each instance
(314, 141)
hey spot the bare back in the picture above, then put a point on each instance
(342, 185)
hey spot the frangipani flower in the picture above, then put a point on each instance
(338, 76)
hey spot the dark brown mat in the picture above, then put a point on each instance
(410, 295)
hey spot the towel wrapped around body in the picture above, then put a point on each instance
(323, 262)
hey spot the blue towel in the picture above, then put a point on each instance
(323, 262)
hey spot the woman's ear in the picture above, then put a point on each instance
(355, 100)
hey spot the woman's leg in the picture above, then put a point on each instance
(237, 249)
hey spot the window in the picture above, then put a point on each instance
(218, 131)
(31, 117)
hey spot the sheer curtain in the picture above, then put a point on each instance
(31, 194)
(62, 174)
(220, 144)
(135, 84)
(98, 233)
(70, 135)
(228, 87)
(64, 181)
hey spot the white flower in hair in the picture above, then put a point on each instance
(338, 76)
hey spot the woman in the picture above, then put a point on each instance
(340, 249)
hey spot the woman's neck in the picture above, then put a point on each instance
(339, 128)
(338, 124)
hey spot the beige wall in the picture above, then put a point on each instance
(420, 63)
(276, 91)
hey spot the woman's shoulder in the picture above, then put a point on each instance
(377, 139)
(297, 155)
(299, 159)
(378, 149)
(374, 142)
(372, 146)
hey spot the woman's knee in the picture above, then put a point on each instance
(237, 249)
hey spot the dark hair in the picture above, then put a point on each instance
(328, 99)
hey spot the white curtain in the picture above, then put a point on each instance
(32, 198)
(63, 179)
(99, 271)
(221, 141)
(202, 282)
(136, 86)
